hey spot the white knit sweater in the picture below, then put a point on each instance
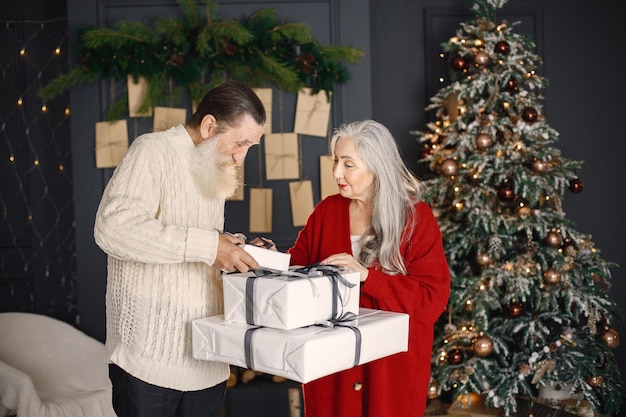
(159, 234)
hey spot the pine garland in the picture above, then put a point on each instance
(199, 51)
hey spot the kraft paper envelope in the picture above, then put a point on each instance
(261, 210)
(166, 117)
(111, 143)
(301, 196)
(136, 95)
(281, 156)
(239, 191)
(312, 113)
(265, 94)
(328, 184)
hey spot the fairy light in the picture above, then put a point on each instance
(22, 51)
(57, 50)
(66, 111)
(11, 159)
(44, 108)
(20, 101)
(61, 167)
(36, 162)
(441, 79)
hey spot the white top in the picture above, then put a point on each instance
(356, 248)
(159, 233)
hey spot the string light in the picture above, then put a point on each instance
(22, 52)
(44, 108)
(57, 51)
(20, 101)
(67, 111)
(11, 159)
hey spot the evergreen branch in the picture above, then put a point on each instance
(231, 30)
(118, 110)
(73, 78)
(190, 10)
(280, 74)
(336, 53)
(295, 32)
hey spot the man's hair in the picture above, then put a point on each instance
(228, 102)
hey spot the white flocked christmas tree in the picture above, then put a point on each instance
(529, 310)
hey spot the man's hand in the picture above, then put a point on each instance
(231, 257)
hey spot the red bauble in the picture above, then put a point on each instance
(459, 64)
(529, 114)
(502, 47)
(576, 185)
(506, 193)
(515, 309)
(455, 356)
(512, 86)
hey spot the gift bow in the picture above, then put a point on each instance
(316, 270)
(341, 322)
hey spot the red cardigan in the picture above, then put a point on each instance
(395, 386)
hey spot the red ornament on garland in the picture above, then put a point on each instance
(502, 47)
(576, 185)
(529, 114)
(455, 356)
(459, 64)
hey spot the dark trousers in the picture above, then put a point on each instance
(133, 397)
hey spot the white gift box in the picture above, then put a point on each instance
(269, 259)
(306, 353)
(290, 299)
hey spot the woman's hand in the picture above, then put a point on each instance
(347, 261)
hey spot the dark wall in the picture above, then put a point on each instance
(583, 62)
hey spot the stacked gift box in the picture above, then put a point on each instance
(300, 323)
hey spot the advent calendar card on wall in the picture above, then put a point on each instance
(166, 117)
(137, 91)
(281, 156)
(328, 184)
(301, 196)
(111, 143)
(261, 210)
(312, 113)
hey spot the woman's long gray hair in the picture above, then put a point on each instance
(395, 194)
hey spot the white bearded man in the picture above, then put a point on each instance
(157, 222)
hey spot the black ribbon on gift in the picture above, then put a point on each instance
(343, 322)
(315, 270)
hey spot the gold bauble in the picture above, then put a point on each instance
(551, 276)
(481, 58)
(483, 141)
(483, 346)
(595, 380)
(539, 166)
(554, 239)
(610, 337)
(433, 390)
(483, 259)
(449, 167)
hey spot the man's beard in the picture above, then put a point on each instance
(215, 175)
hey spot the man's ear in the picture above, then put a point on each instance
(208, 126)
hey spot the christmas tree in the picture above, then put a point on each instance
(529, 309)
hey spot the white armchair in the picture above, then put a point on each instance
(50, 369)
